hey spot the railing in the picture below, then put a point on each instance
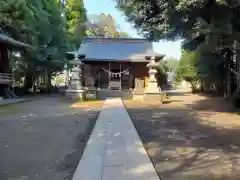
(6, 78)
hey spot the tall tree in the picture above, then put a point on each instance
(76, 16)
(180, 19)
(16, 19)
(103, 25)
(124, 34)
(171, 63)
(213, 25)
(206, 25)
(41, 24)
(187, 69)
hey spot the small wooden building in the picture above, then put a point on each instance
(115, 63)
(7, 43)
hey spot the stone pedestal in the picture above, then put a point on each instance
(153, 97)
(74, 94)
(90, 89)
(138, 89)
(75, 90)
(153, 91)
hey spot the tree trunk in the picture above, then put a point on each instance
(229, 85)
(193, 87)
(201, 85)
(228, 93)
(48, 80)
(28, 81)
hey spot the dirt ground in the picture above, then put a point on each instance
(192, 138)
(43, 139)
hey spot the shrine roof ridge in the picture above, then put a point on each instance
(116, 49)
(110, 39)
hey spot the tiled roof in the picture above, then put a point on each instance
(116, 49)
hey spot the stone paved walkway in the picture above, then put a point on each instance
(114, 150)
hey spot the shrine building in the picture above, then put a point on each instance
(6, 77)
(115, 63)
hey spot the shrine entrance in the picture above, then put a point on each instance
(116, 77)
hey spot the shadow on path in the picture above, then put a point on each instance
(184, 145)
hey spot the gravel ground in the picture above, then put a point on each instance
(192, 138)
(44, 139)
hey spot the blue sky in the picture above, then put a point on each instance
(170, 49)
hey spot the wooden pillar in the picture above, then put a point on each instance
(120, 76)
(99, 78)
(109, 74)
(130, 76)
(4, 62)
(4, 66)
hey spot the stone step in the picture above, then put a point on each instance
(114, 93)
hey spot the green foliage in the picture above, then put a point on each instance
(171, 63)
(211, 66)
(207, 26)
(216, 21)
(103, 25)
(76, 17)
(161, 75)
(207, 67)
(187, 68)
(14, 20)
(123, 34)
(43, 25)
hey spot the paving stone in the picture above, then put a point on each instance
(115, 157)
(114, 173)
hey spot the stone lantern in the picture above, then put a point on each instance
(153, 91)
(75, 90)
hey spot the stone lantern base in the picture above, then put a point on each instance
(154, 97)
(90, 93)
(153, 93)
(75, 94)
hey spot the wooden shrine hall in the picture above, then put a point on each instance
(115, 63)
(6, 80)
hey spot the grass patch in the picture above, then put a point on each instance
(166, 99)
(133, 100)
(8, 109)
(236, 111)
